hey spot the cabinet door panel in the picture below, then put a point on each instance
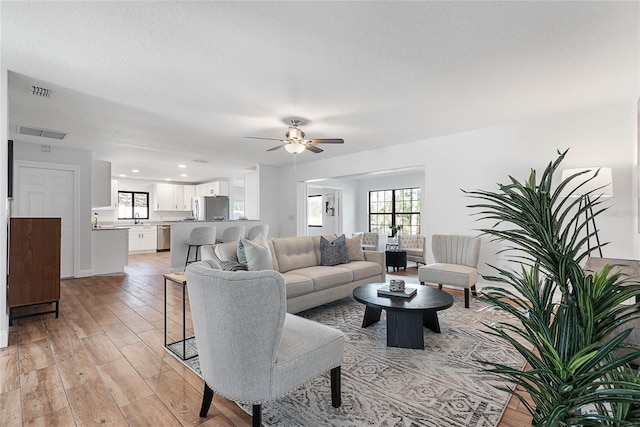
(34, 261)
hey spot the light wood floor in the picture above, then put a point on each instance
(102, 362)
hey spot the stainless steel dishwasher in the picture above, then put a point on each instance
(164, 237)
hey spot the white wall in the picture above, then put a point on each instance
(81, 158)
(4, 209)
(481, 158)
(270, 191)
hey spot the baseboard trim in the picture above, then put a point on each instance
(85, 273)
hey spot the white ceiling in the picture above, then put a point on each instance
(149, 85)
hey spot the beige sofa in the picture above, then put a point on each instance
(308, 283)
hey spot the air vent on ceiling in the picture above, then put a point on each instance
(201, 161)
(45, 133)
(40, 91)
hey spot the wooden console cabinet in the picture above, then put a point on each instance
(34, 264)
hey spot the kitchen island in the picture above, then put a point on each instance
(180, 235)
(109, 250)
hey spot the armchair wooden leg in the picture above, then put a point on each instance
(440, 286)
(257, 415)
(207, 397)
(474, 292)
(466, 297)
(336, 394)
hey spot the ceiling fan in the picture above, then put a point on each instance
(295, 141)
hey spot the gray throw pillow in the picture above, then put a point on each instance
(232, 266)
(333, 253)
(241, 254)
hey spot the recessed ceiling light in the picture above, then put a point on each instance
(167, 179)
(122, 175)
(182, 166)
(135, 170)
(183, 175)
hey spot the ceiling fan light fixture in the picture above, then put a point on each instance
(294, 148)
(295, 134)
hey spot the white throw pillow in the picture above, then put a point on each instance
(258, 254)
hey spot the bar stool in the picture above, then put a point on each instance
(232, 234)
(258, 229)
(200, 236)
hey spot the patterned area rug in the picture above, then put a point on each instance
(442, 385)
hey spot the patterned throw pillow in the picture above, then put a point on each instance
(333, 253)
(232, 266)
(354, 248)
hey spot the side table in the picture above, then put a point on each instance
(179, 279)
(396, 258)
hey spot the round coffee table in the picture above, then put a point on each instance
(405, 316)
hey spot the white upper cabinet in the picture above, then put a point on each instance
(101, 185)
(215, 188)
(173, 197)
(163, 194)
(189, 193)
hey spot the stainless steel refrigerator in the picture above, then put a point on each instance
(210, 208)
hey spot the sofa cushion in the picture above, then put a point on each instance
(294, 252)
(414, 252)
(333, 253)
(297, 285)
(227, 251)
(448, 274)
(363, 269)
(258, 254)
(325, 277)
(354, 248)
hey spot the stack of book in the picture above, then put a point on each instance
(384, 291)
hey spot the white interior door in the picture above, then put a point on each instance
(44, 192)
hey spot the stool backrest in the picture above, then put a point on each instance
(202, 236)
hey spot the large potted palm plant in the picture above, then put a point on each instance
(569, 322)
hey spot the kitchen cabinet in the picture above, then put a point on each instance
(113, 198)
(189, 193)
(143, 238)
(34, 264)
(215, 188)
(172, 197)
(163, 194)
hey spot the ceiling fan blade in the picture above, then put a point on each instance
(268, 139)
(327, 141)
(313, 148)
(277, 146)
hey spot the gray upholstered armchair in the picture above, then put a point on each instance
(251, 350)
(456, 263)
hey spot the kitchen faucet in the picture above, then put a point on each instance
(137, 218)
